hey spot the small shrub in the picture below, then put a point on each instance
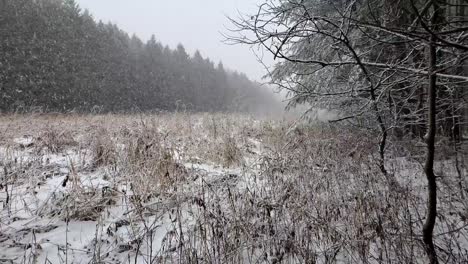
(104, 150)
(55, 141)
(231, 154)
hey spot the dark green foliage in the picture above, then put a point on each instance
(57, 58)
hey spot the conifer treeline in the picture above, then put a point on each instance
(57, 57)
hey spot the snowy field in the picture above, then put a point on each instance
(215, 188)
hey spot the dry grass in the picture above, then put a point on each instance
(225, 189)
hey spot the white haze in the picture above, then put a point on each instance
(195, 24)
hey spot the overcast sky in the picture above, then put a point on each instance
(197, 24)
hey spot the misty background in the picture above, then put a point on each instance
(81, 56)
(198, 25)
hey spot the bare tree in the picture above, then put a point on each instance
(428, 228)
(376, 62)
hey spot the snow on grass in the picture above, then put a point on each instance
(213, 188)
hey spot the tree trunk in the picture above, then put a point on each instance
(428, 228)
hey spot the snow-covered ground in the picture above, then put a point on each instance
(212, 189)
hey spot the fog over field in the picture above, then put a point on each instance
(233, 131)
(198, 25)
